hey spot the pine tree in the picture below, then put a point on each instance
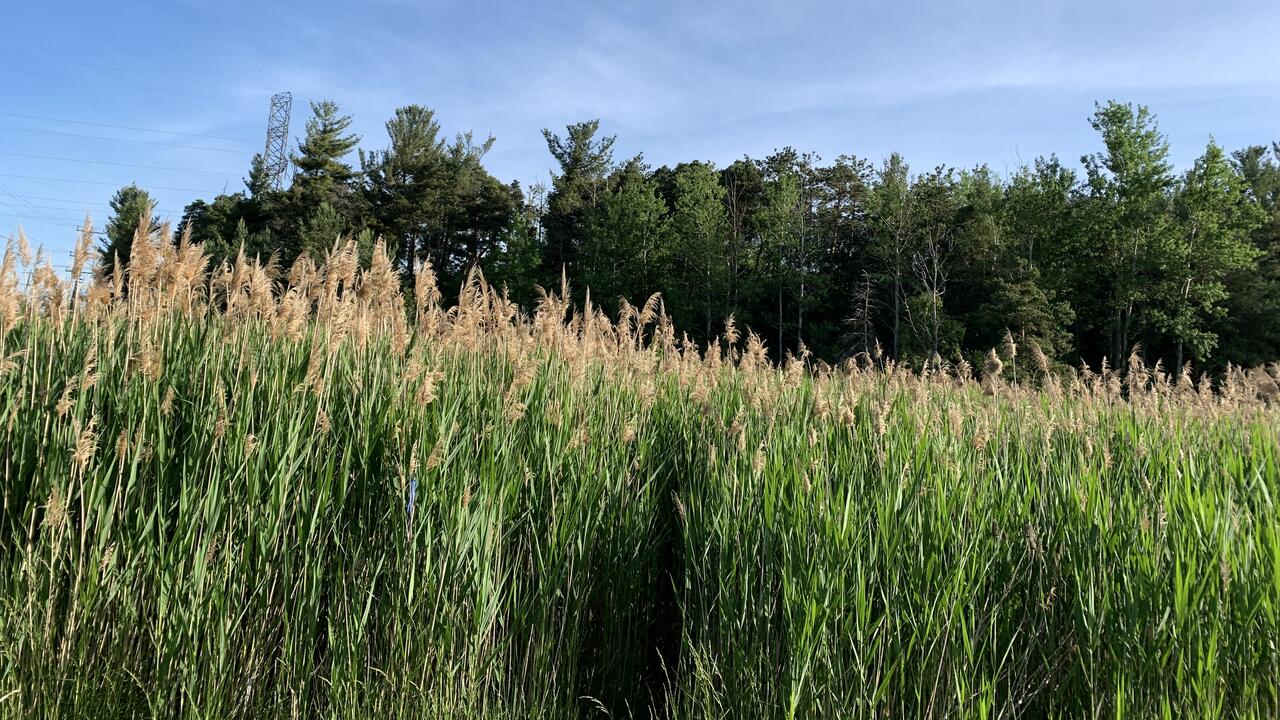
(625, 238)
(321, 171)
(129, 206)
(405, 184)
(585, 163)
(700, 228)
(323, 196)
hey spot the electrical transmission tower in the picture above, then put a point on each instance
(276, 156)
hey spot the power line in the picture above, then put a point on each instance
(148, 73)
(71, 204)
(65, 200)
(115, 164)
(80, 215)
(123, 140)
(127, 127)
(110, 184)
(130, 86)
(11, 227)
(19, 213)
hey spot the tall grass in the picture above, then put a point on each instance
(232, 496)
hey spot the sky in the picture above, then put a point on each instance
(174, 95)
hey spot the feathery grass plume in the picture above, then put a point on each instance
(64, 402)
(992, 367)
(25, 255)
(55, 510)
(538, 563)
(1040, 359)
(10, 292)
(1009, 348)
(150, 359)
(292, 314)
(882, 417)
(187, 271)
(1137, 378)
(84, 254)
(303, 275)
(754, 357)
(144, 255)
(85, 447)
(117, 278)
(9, 363)
(731, 331)
(1264, 385)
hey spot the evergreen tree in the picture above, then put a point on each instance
(585, 163)
(700, 229)
(129, 207)
(322, 196)
(406, 184)
(322, 174)
(625, 252)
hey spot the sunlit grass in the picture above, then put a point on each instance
(223, 499)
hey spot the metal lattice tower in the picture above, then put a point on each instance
(276, 155)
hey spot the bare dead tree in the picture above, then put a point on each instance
(861, 336)
(925, 313)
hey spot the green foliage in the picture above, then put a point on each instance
(1249, 330)
(699, 222)
(321, 229)
(130, 207)
(1128, 216)
(405, 184)
(825, 260)
(1216, 220)
(626, 249)
(321, 170)
(585, 163)
(207, 519)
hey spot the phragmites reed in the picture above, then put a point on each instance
(250, 494)
(992, 368)
(1264, 385)
(731, 330)
(84, 253)
(1040, 359)
(1008, 347)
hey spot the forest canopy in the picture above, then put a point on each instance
(821, 258)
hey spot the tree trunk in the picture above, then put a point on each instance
(897, 311)
(779, 320)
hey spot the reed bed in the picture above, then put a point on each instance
(247, 493)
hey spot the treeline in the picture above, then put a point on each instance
(829, 258)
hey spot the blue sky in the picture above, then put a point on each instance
(97, 95)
